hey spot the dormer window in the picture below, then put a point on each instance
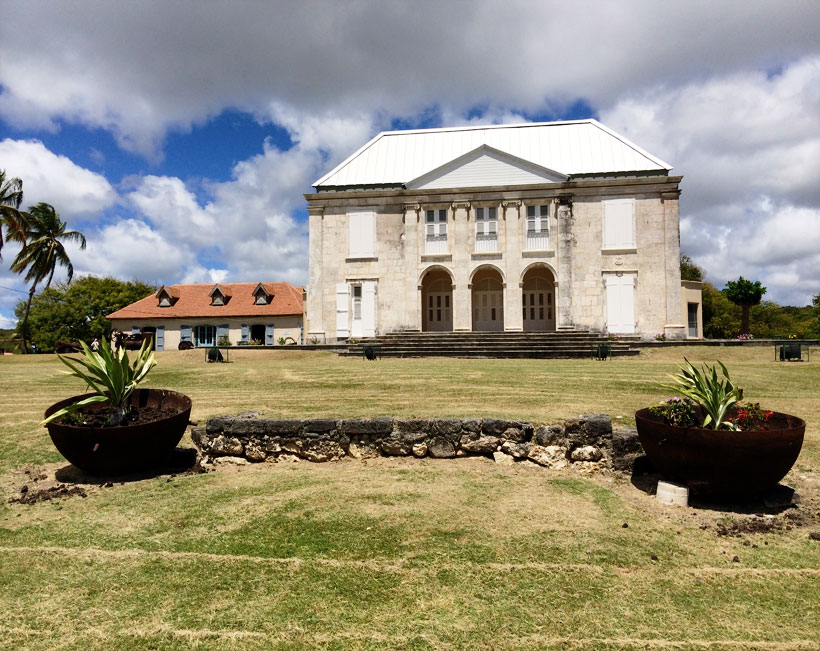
(167, 296)
(219, 295)
(262, 296)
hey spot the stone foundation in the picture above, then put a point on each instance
(585, 442)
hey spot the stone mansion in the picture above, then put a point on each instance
(533, 227)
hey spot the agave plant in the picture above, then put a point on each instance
(110, 375)
(715, 396)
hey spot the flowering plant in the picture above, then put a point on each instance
(676, 411)
(660, 336)
(746, 336)
(750, 417)
(612, 336)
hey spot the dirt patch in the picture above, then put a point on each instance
(28, 496)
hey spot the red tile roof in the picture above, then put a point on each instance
(195, 301)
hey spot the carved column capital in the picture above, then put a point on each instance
(318, 211)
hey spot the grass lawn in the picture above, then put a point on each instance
(401, 553)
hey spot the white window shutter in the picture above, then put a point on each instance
(361, 231)
(342, 321)
(618, 221)
(369, 309)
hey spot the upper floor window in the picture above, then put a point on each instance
(435, 224)
(486, 229)
(538, 227)
(361, 234)
(618, 224)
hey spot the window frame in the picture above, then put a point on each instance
(195, 335)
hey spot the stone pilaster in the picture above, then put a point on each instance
(564, 255)
(514, 223)
(675, 327)
(461, 250)
(315, 324)
(410, 237)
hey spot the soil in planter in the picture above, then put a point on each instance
(96, 417)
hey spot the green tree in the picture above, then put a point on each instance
(43, 252)
(720, 316)
(77, 312)
(744, 293)
(689, 270)
(11, 217)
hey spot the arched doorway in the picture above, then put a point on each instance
(538, 300)
(488, 301)
(437, 301)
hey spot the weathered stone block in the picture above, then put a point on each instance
(216, 425)
(586, 453)
(254, 451)
(589, 429)
(441, 448)
(471, 425)
(449, 428)
(319, 425)
(363, 447)
(282, 426)
(395, 446)
(382, 425)
(550, 456)
(408, 425)
(419, 450)
(515, 450)
(478, 444)
(496, 427)
(516, 435)
(549, 435)
(246, 427)
(626, 448)
(225, 445)
(503, 459)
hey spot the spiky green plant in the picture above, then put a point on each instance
(715, 396)
(110, 375)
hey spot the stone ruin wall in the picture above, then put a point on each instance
(587, 442)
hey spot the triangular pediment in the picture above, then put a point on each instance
(485, 166)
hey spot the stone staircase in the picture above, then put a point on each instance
(564, 344)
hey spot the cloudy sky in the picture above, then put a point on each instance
(180, 136)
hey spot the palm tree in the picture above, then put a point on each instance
(11, 196)
(746, 294)
(43, 252)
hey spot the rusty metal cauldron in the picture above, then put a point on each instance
(722, 462)
(125, 449)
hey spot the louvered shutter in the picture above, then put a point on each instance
(269, 334)
(360, 234)
(159, 338)
(368, 309)
(245, 333)
(618, 231)
(222, 331)
(185, 333)
(342, 321)
(135, 330)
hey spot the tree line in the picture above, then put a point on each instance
(738, 309)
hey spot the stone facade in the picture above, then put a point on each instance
(573, 265)
(586, 442)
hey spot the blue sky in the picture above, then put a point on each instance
(180, 142)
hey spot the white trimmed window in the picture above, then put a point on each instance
(435, 233)
(361, 234)
(538, 227)
(486, 229)
(619, 224)
(204, 335)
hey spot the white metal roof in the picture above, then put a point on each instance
(570, 148)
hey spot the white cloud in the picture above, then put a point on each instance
(137, 69)
(7, 323)
(748, 145)
(73, 190)
(129, 248)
